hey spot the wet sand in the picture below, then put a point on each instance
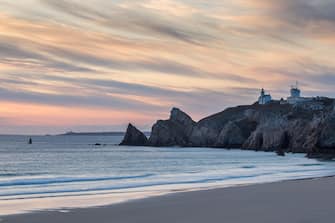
(300, 201)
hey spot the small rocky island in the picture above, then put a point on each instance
(298, 124)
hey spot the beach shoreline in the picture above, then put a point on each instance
(300, 200)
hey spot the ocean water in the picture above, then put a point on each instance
(62, 166)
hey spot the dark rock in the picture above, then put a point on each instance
(134, 137)
(172, 132)
(321, 156)
(230, 136)
(235, 133)
(304, 127)
(207, 131)
(327, 136)
(280, 152)
(203, 135)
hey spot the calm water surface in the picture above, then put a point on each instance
(60, 165)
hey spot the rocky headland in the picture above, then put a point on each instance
(307, 127)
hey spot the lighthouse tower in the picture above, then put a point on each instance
(264, 98)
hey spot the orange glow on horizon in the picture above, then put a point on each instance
(131, 61)
(36, 114)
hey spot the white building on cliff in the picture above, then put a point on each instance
(295, 96)
(264, 98)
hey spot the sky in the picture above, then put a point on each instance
(96, 65)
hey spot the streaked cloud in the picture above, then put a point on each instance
(129, 60)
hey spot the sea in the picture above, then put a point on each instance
(69, 171)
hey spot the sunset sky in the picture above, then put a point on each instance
(95, 65)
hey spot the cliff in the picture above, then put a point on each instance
(306, 127)
(173, 132)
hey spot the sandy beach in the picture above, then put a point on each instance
(297, 201)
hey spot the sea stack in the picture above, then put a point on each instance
(134, 137)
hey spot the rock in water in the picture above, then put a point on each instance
(134, 137)
(280, 152)
(172, 132)
(182, 119)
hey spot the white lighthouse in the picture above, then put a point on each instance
(264, 98)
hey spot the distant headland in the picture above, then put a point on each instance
(70, 133)
(116, 133)
(296, 124)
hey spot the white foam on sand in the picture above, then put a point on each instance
(70, 201)
(66, 202)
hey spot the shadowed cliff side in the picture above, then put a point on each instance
(134, 137)
(305, 127)
(175, 131)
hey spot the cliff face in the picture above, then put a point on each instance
(173, 132)
(308, 127)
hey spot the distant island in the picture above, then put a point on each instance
(93, 133)
(297, 124)
(117, 133)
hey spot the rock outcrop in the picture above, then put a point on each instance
(172, 132)
(235, 133)
(307, 127)
(134, 137)
(327, 135)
